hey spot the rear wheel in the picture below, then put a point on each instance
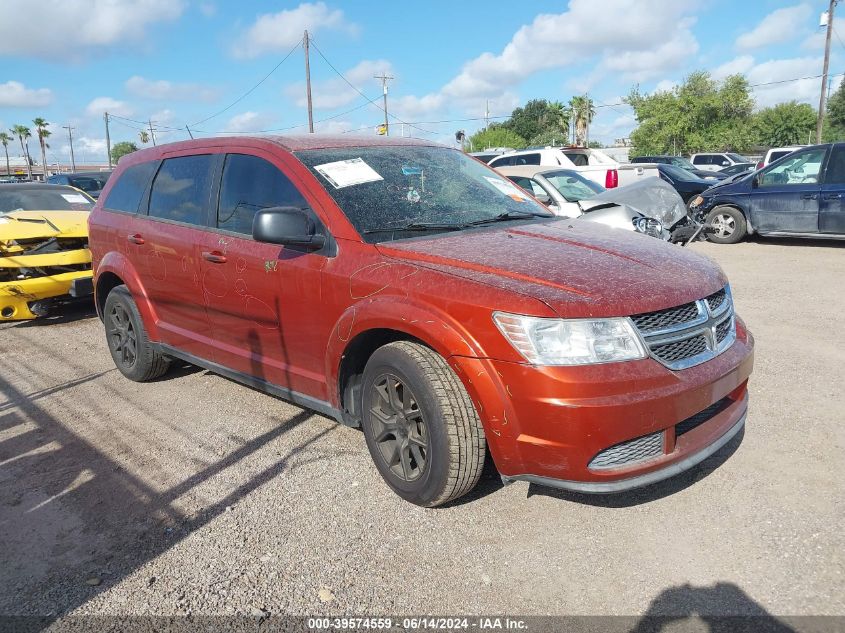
(131, 350)
(728, 224)
(421, 427)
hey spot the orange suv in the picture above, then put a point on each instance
(405, 288)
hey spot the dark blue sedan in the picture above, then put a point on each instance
(800, 195)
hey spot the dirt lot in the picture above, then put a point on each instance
(197, 495)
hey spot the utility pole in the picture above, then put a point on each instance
(820, 122)
(70, 138)
(487, 115)
(152, 132)
(189, 132)
(108, 139)
(308, 84)
(384, 79)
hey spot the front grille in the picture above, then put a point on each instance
(691, 333)
(685, 426)
(670, 317)
(630, 452)
(680, 350)
(716, 300)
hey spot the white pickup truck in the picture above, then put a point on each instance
(591, 163)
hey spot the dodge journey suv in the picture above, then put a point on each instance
(407, 289)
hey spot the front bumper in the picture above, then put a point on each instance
(16, 296)
(550, 424)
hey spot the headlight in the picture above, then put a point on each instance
(570, 341)
(649, 226)
(697, 201)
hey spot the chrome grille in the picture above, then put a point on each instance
(630, 452)
(691, 333)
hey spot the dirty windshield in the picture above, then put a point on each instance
(396, 192)
(49, 198)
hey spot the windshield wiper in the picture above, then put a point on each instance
(509, 215)
(418, 226)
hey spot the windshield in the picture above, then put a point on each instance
(50, 198)
(387, 190)
(88, 183)
(683, 163)
(572, 185)
(677, 173)
(737, 158)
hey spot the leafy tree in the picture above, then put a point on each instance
(699, 115)
(531, 119)
(121, 149)
(497, 136)
(23, 132)
(584, 111)
(785, 124)
(43, 134)
(595, 144)
(5, 139)
(144, 136)
(834, 128)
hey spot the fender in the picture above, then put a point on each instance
(435, 328)
(117, 263)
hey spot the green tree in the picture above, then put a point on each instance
(583, 109)
(531, 119)
(700, 115)
(553, 138)
(496, 136)
(6, 139)
(144, 136)
(785, 124)
(23, 132)
(121, 149)
(834, 129)
(43, 134)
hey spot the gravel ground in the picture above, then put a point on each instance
(194, 494)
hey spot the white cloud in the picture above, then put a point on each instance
(208, 9)
(110, 105)
(815, 41)
(665, 85)
(278, 32)
(247, 122)
(738, 65)
(336, 93)
(776, 28)
(14, 94)
(164, 90)
(776, 70)
(67, 28)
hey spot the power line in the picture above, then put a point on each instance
(251, 90)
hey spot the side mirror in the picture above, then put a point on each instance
(755, 181)
(287, 226)
(725, 163)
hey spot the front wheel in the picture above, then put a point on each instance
(420, 425)
(131, 350)
(728, 225)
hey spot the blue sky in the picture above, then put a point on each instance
(178, 62)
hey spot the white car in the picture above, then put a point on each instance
(776, 153)
(716, 161)
(590, 163)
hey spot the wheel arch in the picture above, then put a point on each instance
(114, 270)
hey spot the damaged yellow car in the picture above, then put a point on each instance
(44, 256)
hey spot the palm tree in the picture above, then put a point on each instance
(23, 132)
(559, 117)
(43, 133)
(5, 138)
(144, 136)
(584, 111)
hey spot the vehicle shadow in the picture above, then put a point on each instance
(722, 608)
(67, 312)
(650, 493)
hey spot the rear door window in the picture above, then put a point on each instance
(126, 194)
(181, 189)
(250, 184)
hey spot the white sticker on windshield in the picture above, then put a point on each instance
(76, 198)
(345, 173)
(507, 188)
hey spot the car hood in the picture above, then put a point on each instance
(652, 197)
(578, 269)
(33, 225)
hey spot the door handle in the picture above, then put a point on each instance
(215, 257)
(135, 239)
(833, 196)
(809, 196)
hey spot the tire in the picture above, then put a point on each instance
(130, 348)
(421, 427)
(730, 224)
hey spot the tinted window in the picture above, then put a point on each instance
(835, 174)
(796, 169)
(776, 155)
(528, 159)
(127, 192)
(701, 159)
(249, 184)
(181, 188)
